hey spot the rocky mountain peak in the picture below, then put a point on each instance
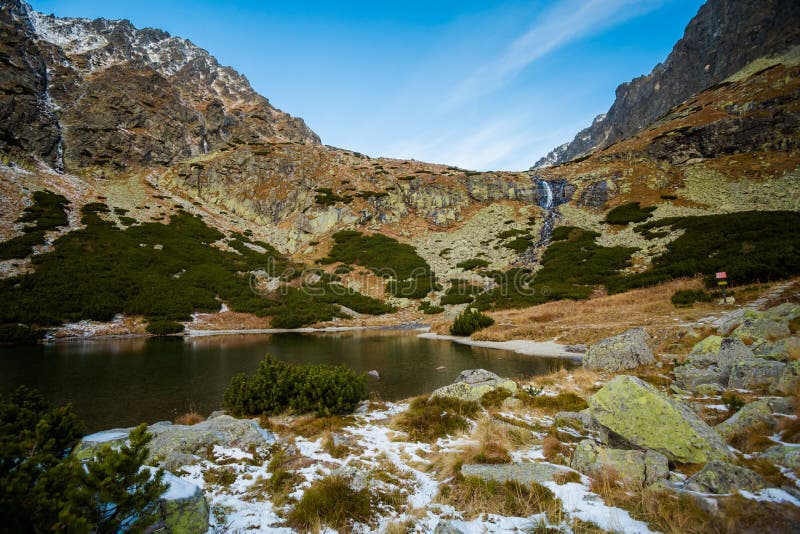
(723, 37)
(147, 98)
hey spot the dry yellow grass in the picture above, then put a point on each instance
(189, 418)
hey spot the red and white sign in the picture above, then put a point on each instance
(722, 275)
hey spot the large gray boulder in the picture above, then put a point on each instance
(761, 329)
(756, 373)
(635, 467)
(690, 377)
(752, 417)
(473, 384)
(783, 350)
(627, 350)
(646, 418)
(789, 381)
(523, 472)
(723, 477)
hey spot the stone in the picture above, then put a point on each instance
(374, 374)
(522, 472)
(783, 350)
(785, 455)
(577, 420)
(722, 477)
(789, 381)
(630, 465)
(624, 351)
(784, 313)
(473, 384)
(183, 507)
(761, 330)
(709, 345)
(643, 416)
(511, 403)
(176, 459)
(751, 417)
(730, 321)
(447, 527)
(689, 376)
(756, 373)
(731, 351)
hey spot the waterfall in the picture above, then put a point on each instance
(550, 195)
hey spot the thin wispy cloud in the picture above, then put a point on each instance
(565, 22)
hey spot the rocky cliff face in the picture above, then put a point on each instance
(146, 98)
(725, 36)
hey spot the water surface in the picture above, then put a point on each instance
(123, 381)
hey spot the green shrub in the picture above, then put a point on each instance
(326, 197)
(277, 387)
(687, 297)
(43, 488)
(331, 502)
(520, 244)
(472, 264)
(469, 322)
(732, 402)
(20, 334)
(428, 419)
(47, 212)
(427, 308)
(628, 213)
(164, 328)
(751, 246)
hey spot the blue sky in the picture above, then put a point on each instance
(481, 85)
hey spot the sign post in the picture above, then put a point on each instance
(722, 282)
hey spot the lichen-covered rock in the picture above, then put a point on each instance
(523, 472)
(709, 345)
(643, 416)
(756, 373)
(183, 507)
(447, 527)
(761, 330)
(473, 384)
(731, 351)
(785, 455)
(630, 465)
(784, 313)
(691, 377)
(782, 350)
(789, 380)
(722, 477)
(709, 390)
(751, 417)
(624, 351)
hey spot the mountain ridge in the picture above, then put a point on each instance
(721, 39)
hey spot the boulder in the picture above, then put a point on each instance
(728, 322)
(690, 377)
(783, 350)
(784, 313)
(756, 373)
(789, 381)
(752, 417)
(643, 416)
(472, 384)
(709, 345)
(523, 472)
(635, 467)
(581, 421)
(723, 477)
(761, 330)
(624, 351)
(183, 507)
(447, 527)
(173, 446)
(709, 390)
(731, 351)
(785, 455)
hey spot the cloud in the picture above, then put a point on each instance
(565, 22)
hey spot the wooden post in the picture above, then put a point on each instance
(722, 282)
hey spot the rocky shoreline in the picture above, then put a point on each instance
(628, 431)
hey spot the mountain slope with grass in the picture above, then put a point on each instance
(169, 172)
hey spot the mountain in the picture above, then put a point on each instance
(118, 143)
(721, 39)
(78, 93)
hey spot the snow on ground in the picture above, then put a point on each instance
(521, 346)
(242, 506)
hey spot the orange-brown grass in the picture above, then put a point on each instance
(554, 450)
(565, 477)
(578, 380)
(789, 427)
(476, 496)
(429, 419)
(546, 404)
(308, 426)
(587, 321)
(189, 418)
